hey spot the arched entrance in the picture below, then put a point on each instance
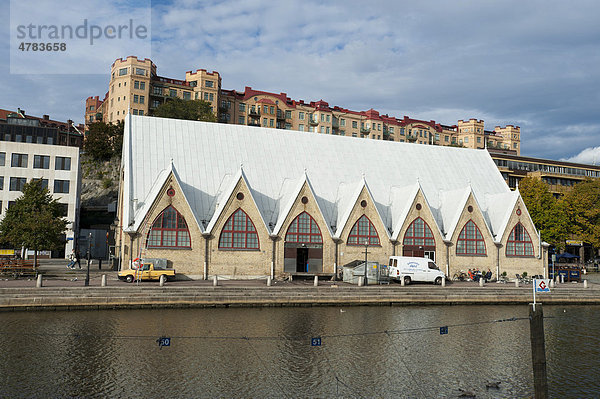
(303, 249)
(418, 240)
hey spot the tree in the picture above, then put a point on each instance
(34, 221)
(104, 141)
(176, 108)
(546, 211)
(582, 208)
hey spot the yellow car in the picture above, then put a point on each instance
(150, 269)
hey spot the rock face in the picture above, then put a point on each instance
(100, 182)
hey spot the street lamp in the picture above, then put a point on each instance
(87, 275)
(366, 264)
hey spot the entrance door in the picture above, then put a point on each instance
(301, 260)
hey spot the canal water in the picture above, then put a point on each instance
(364, 352)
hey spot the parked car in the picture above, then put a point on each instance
(412, 269)
(149, 269)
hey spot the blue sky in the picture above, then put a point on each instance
(534, 64)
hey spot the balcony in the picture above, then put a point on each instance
(253, 113)
(280, 115)
(252, 123)
(312, 121)
(411, 138)
(365, 130)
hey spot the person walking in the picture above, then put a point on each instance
(72, 260)
(78, 257)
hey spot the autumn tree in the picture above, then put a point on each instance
(582, 208)
(546, 211)
(34, 221)
(176, 108)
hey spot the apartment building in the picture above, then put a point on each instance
(135, 85)
(32, 149)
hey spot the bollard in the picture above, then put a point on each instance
(161, 281)
(562, 278)
(269, 281)
(291, 278)
(316, 283)
(443, 282)
(103, 283)
(215, 281)
(480, 281)
(517, 283)
(584, 283)
(361, 281)
(99, 264)
(402, 281)
(584, 271)
(38, 283)
(552, 283)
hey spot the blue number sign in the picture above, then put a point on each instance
(443, 330)
(163, 341)
(315, 341)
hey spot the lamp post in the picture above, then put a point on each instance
(87, 275)
(366, 264)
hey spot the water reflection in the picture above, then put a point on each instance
(366, 352)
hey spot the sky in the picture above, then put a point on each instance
(534, 64)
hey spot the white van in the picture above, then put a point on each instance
(414, 269)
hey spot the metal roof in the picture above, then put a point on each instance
(209, 159)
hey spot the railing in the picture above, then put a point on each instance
(312, 121)
(365, 130)
(411, 138)
(254, 113)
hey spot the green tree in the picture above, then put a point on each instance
(176, 108)
(34, 221)
(546, 211)
(582, 208)
(103, 140)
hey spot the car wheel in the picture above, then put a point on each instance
(165, 277)
(438, 281)
(129, 278)
(406, 280)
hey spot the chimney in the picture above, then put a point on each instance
(46, 117)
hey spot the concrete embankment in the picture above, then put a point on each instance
(124, 297)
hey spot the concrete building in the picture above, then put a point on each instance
(30, 149)
(243, 202)
(134, 84)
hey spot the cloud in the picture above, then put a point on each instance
(531, 64)
(588, 156)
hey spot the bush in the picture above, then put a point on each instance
(107, 183)
(524, 274)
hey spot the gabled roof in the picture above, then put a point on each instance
(277, 163)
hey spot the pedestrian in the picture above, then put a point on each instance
(72, 260)
(78, 256)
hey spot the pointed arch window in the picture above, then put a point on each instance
(304, 230)
(169, 230)
(363, 230)
(239, 233)
(419, 234)
(519, 242)
(470, 241)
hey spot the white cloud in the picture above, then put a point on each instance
(588, 156)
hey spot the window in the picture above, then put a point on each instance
(169, 230)
(327, 130)
(136, 84)
(157, 90)
(172, 93)
(272, 110)
(466, 139)
(354, 124)
(288, 114)
(470, 240)
(2, 158)
(241, 120)
(342, 122)
(17, 183)
(141, 112)
(265, 121)
(301, 116)
(239, 233)
(1, 182)
(63, 163)
(155, 103)
(61, 186)
(419, 234)
(363, 230)
(242, 107)
(208, 83)
(136, 98)
(140, 71)
(301, 128)
(328, 117)
(19, 160)
(41, 162)
(135, 111)
(44, 182)
(305, 230)
(122, 71)
(322, 117)
(187, 95)
(142, 99)
(519, 242)
(271, 122)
